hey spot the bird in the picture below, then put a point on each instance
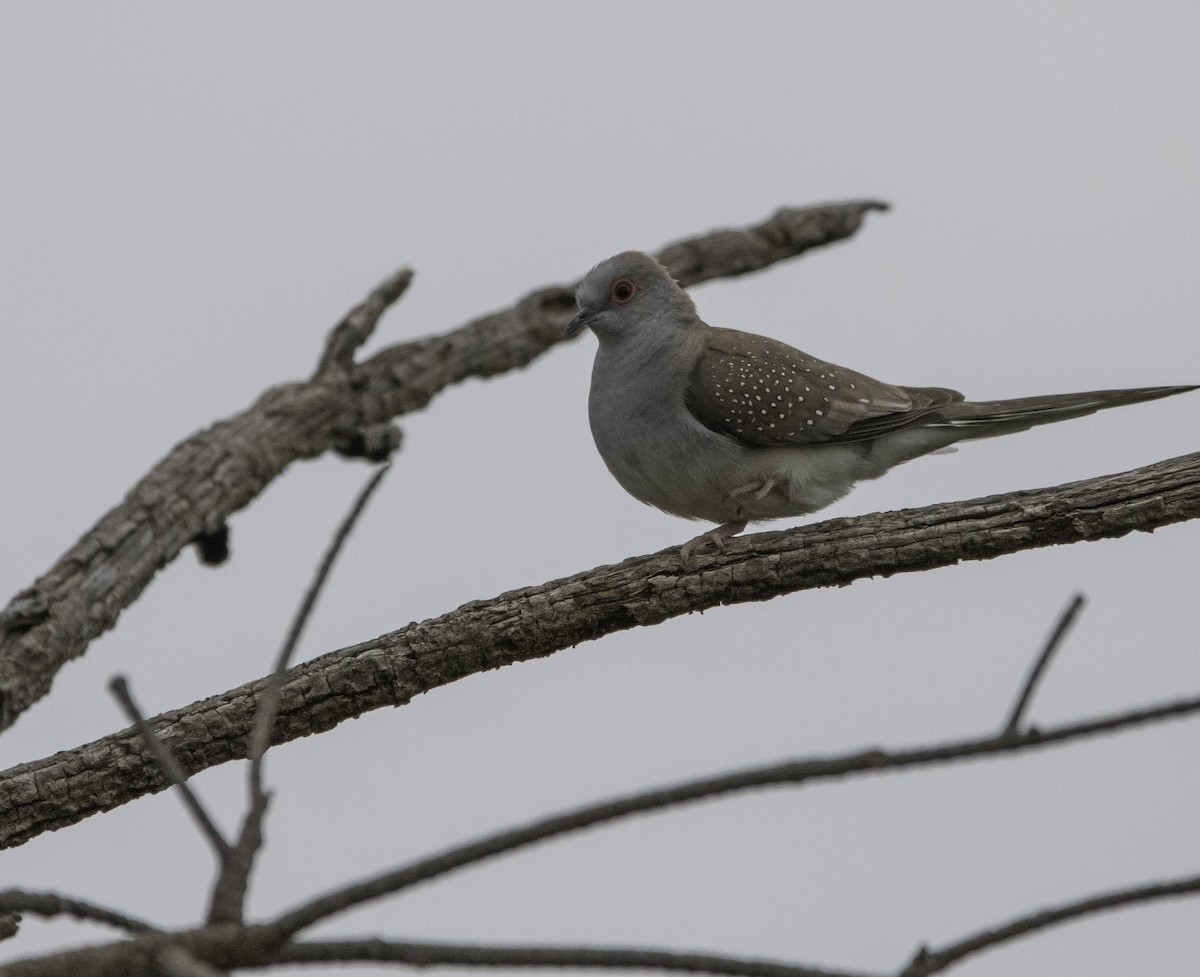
(731, 427)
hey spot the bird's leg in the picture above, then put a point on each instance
(716, 537)
(760, 489)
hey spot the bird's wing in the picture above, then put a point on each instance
(765, 392)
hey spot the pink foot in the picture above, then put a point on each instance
(716, 537)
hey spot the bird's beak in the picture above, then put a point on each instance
(582, 320)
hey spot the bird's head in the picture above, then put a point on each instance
(628, 295)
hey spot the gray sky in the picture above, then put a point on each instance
(193, 193)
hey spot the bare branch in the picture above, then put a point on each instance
(792, 772)
(604, 958)
(228, 900)
(934, 961)
(538, 621)
(169, 767)
(356, 328)
(198, 953)
(268, 708)
(229, 893)
(175, 961)
(212, 474)
(50, 904)
(1065, 621)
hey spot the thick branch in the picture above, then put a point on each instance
(194, 489)
(538, 621)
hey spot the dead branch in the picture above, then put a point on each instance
(791, 773)
(227, 904)
(191, 493)
(1061, 628)
(49, 905)
(425, 955)
(534, 622)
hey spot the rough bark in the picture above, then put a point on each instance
(190, 494)
(538, 621)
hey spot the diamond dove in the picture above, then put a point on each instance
(731, 427)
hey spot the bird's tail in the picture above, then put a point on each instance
(987, 418)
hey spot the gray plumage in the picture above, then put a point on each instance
(731, 427)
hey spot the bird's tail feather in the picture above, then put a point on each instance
(987, 418)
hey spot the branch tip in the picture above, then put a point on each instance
(359, 323)
(1059, 633)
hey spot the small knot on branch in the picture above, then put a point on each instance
(375, 442)
(212, 546)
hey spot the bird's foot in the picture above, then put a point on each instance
(760, 489)
(715, 537)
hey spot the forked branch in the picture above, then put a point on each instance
(538, 621)
(344, 406)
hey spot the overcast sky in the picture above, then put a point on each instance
(191, 194)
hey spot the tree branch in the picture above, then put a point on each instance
(790, 773)
(170, 769)
(538, 621)
(1053, 643)
(50, 904)
(604, 958)
(929, 962)
(229, 893)
(209, 476)
(177, 962)
(235, 947)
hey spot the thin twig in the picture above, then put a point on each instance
(169, 767)
(934, 961)
(1053, 643)
(268, 707)
(50, 904)
(790, 773)
(229, 892)
(608, 958)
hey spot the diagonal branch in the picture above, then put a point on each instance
(935, 961)
(538, 621)
(209, 476)
(1053, 643)
(49, 905)
(359, 323)
(170, 769)
(229, 893)
(791, 773)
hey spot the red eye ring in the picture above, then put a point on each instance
(623, 291)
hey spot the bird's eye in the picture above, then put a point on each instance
(623, 290)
